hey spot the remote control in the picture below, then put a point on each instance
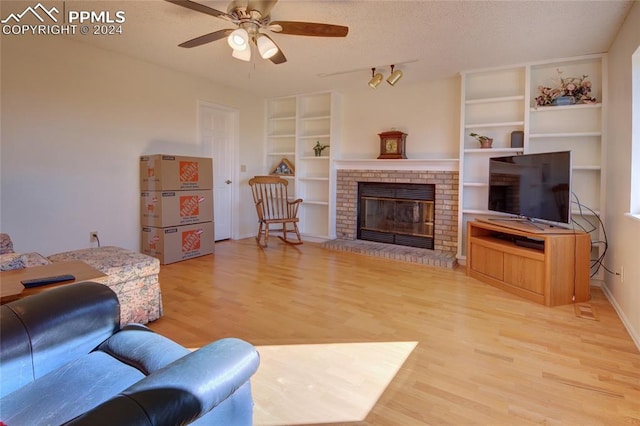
(35, 282)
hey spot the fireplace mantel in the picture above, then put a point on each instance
(431, 165)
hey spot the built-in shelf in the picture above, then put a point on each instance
(316, 117)
(316, 178)
(556, 108)
(314, 136)
(491, 151)
(565, 135)
(497, 124)
(314, 158)
(592, 168)
(494, 100)
(283, 153)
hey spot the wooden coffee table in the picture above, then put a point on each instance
(12, 289)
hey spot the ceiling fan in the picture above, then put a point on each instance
(252, 18)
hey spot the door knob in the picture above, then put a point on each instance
(227, 181)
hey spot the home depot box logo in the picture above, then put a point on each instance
(190, 205)
(191, 240)
(153, 243)
(188, 171)
(150, 204)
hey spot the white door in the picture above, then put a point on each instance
(218, 130)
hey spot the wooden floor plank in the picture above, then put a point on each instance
(483, 356)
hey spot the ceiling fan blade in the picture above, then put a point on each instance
(279, 57)
(200, 8)
(207, 38)
(311, 29)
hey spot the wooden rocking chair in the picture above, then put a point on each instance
(274, 208)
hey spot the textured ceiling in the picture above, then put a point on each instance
(430, 39)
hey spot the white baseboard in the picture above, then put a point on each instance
(627, 324)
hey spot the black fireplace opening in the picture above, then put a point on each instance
(396, 213)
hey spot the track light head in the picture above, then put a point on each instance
(376, 79)
(394, 76)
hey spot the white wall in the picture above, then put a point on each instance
(75, 120)
(429, 113)
(623, 232)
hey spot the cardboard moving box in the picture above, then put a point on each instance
(178, 243)
(161, 172)
(173, 208)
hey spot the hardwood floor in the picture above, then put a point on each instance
(483, 356)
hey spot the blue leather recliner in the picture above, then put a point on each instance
(65, 360)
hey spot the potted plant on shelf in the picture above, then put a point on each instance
(319, 148)
(485, 141)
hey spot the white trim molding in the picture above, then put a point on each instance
(428, 165)
(627, 324)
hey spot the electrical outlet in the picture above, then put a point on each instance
(93, 236)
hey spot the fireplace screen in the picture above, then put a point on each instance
(400, 214)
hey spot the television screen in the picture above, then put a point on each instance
(532, 186)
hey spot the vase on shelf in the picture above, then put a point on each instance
(564, 100)
(486, 143)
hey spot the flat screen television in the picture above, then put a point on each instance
(535, 187)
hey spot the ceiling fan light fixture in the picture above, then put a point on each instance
(376, 79)
(266, 47)
(394, 77)
(238, 39)
(243, 55)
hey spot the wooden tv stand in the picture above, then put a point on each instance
(549, 266)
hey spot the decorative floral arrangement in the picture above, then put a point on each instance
(577, 89)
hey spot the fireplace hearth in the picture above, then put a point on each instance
(396, 213)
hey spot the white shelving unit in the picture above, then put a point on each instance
(294, 125)
(281, 134)
(492, 104)
(496, 102)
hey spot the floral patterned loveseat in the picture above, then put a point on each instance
(131, 275)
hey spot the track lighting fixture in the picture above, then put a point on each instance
(375, 79)
(394, 77)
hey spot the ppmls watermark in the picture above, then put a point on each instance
(56, 19)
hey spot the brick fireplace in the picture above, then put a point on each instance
(441, 173)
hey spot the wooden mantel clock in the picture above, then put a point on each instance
(392, 145)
